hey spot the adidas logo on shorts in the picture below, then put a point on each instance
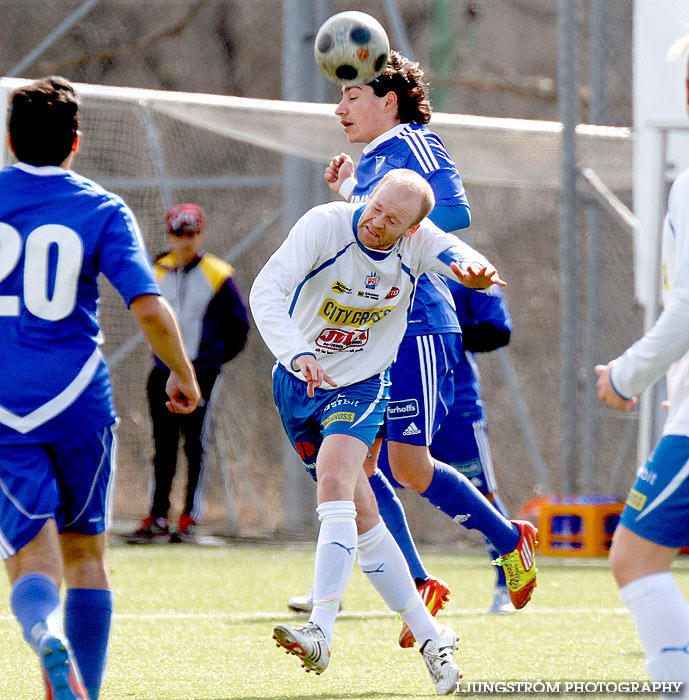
(411, 429)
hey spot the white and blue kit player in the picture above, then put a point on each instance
(58, 232)
(655, 521)
(389, 116)
(332, 305)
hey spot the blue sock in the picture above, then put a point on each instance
(34, 598)
(453, 494)
(392, 512)
(88, 612)
(492, 552)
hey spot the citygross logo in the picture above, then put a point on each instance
(350, 315)
(345, 416)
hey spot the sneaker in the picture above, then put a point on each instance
(60, 673)
(434, 594)
(520, 565)
(151, 529)
(502, 603)
(186, 530)
(307, 642)
(301, 603)
(304, 603)
(438, 655)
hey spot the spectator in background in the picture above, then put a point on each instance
(214, 324)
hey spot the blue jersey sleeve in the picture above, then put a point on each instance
(451, 217)
(123, 258)
(474, 307)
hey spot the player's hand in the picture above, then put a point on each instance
(184, 396)
(607, 393)
(338, 170)
(477, 276)
(313, 373)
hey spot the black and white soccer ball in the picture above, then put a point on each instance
(351, 48)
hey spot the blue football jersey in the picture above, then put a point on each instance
(58, 231)
(474, 307)
(416, 147)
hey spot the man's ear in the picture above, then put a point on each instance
(412, 230)
(77, 142)
(9, 143)
(390, 101)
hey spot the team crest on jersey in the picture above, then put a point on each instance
(379, 163)
(341, 339)
(372, 280)
(392, 293)
(341, 288)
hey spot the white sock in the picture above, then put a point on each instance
(335, 554)
(661, 616)
(384, 565)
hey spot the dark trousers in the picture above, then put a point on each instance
(167, 428)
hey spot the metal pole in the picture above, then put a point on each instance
(442, 54)
(594, 221)
(598, 20)
(650, 413)
(399, 37)
(52, 38)
(299, 76)
(567, 104)
(522, 412)
(157, 154)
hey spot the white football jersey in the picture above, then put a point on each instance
(323, 293)
(663, 349)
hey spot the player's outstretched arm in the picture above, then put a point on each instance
(476, 276)
(313, 373)
(338, 170)
(159, 326)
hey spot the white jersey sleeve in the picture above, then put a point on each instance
(668, 340)
(285, 270)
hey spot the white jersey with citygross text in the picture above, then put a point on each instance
(323, 293)
(663, 349)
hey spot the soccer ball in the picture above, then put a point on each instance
(351, 48)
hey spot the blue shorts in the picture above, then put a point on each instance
(357, 410)
(657, 507)
(67, 481)
(421, 390)
(462, 442)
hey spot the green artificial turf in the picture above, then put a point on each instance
(195, 623)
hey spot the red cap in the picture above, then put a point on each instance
(185, 217)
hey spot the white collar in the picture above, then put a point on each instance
(384, 137)
(40, 169)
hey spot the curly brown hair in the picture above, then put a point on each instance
(405, 78)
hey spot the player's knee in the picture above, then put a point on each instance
(333, 486)
(84, 555)
(410, 475)
(411, 465)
